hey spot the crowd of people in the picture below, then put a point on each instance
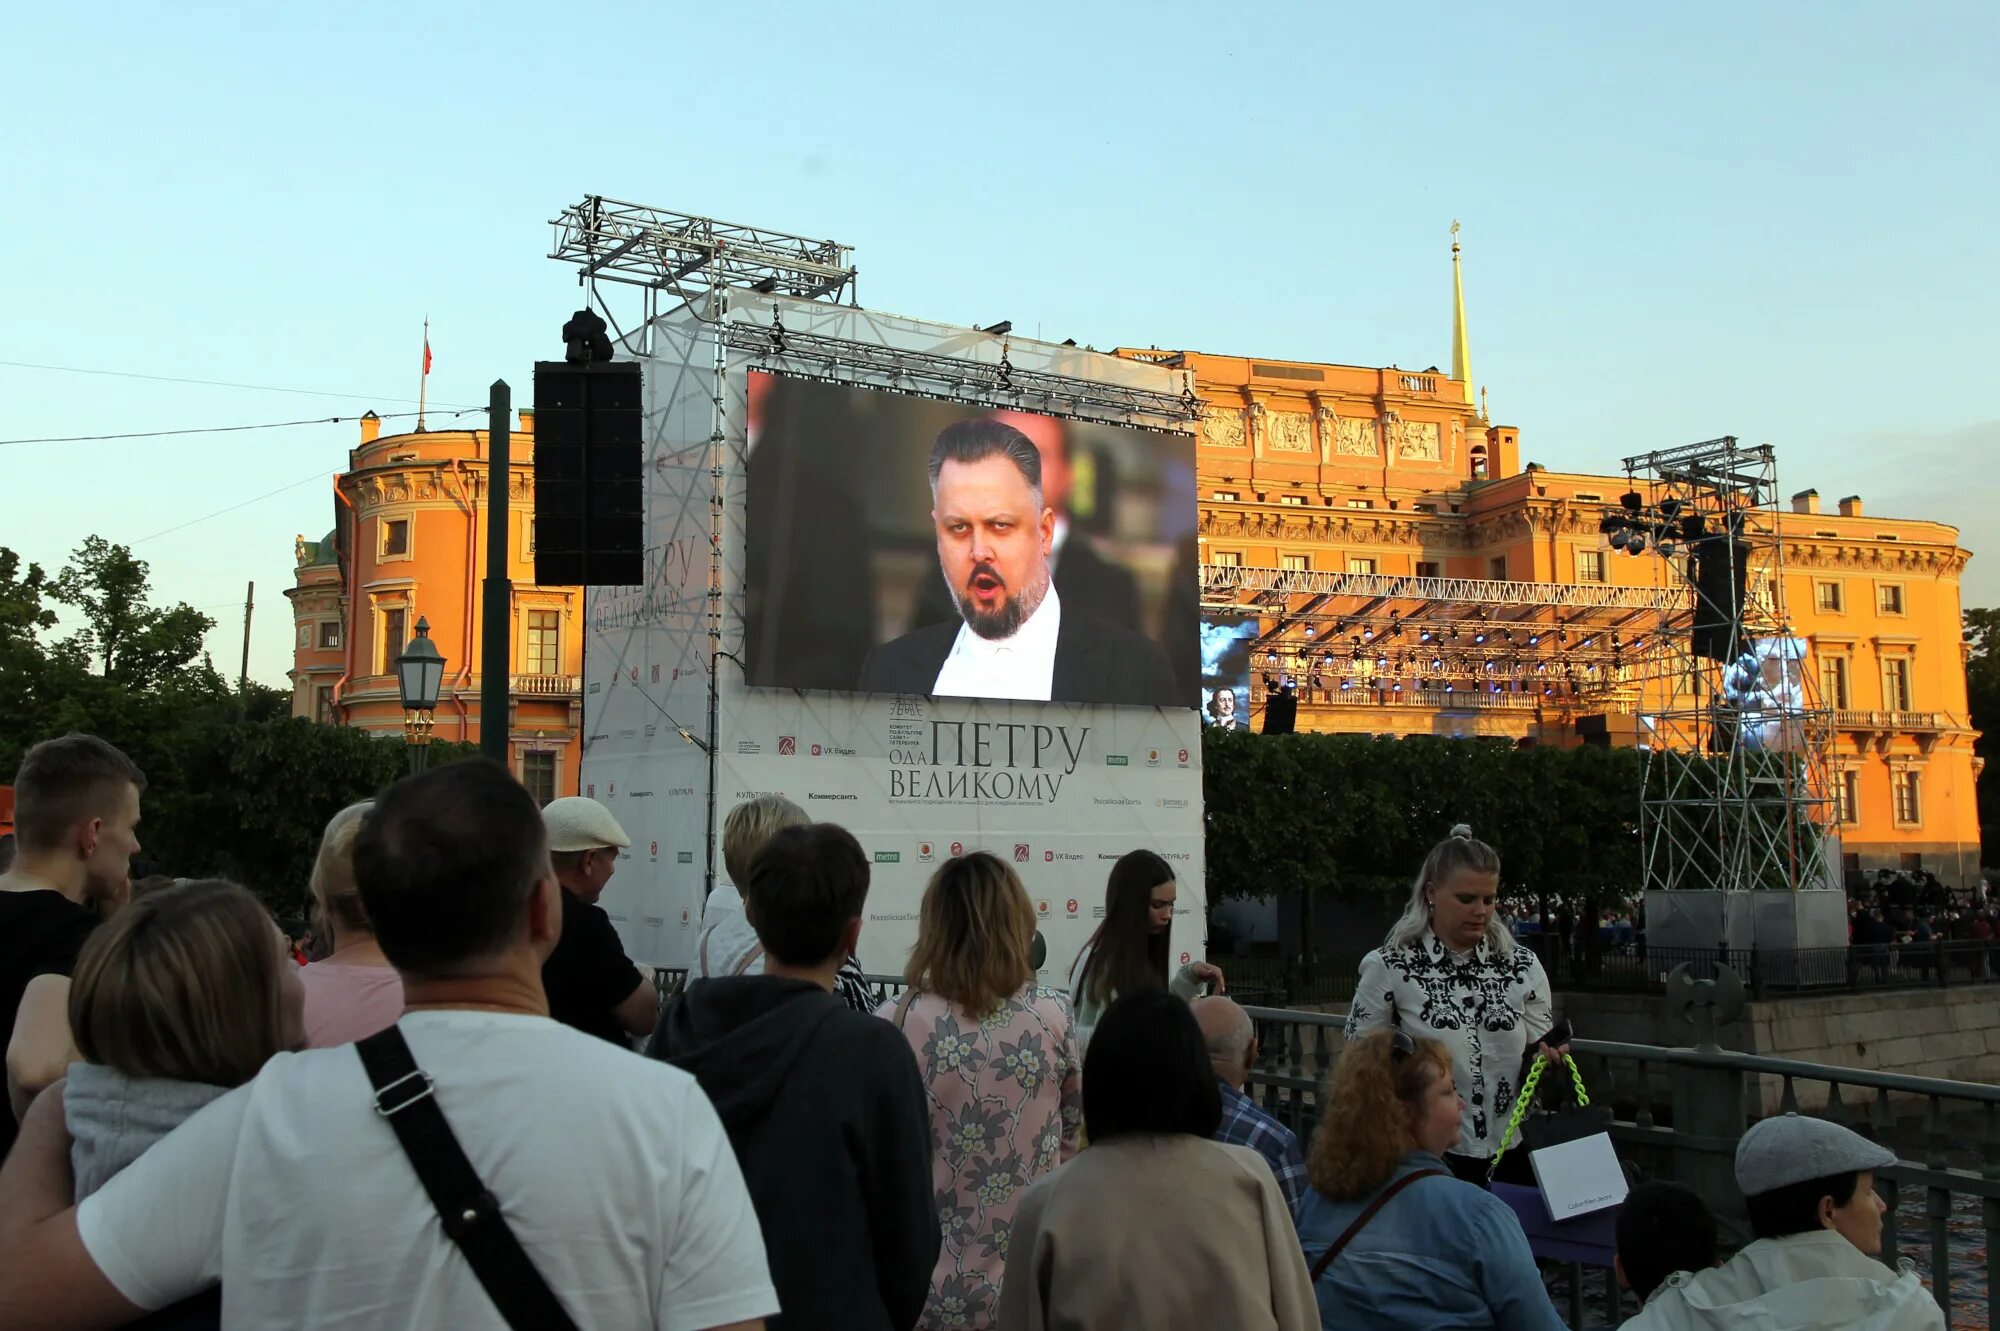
(448, 1119)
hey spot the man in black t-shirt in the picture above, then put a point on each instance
(76, 814)
(591, 983)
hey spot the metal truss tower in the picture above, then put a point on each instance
(1737, 793)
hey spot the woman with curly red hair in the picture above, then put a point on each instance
(1392, 1237)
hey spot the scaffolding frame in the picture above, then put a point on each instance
(1735, 798)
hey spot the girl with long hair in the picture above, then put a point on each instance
(1392, 1238)
(180, 996)
(1450, 971)
(1132, 950)
(1001, 1072)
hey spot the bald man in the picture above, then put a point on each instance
(1232, 1052)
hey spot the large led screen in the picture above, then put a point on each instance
(898, 544)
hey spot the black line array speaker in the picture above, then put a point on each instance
(1721, 585)
(1281, 712)
(590, 494)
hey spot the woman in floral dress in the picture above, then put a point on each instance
(999, 1058)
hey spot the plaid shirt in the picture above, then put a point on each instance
(1244, 1124)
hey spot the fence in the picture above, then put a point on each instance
(1853, 969)
(1691, 1135)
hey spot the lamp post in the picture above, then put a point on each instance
(419, 676)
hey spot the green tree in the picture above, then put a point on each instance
(134, 642)
(1982, 689)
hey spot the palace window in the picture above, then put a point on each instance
(1292, 500)
(1423, 506)
(1361, 503)
(329, 633)
(1496, 568)
(1590, 566)
(395, 537)
(1356, 564)
(1227, 496)
(1847, 796)
(1909, 796)
(1833, 681)
(1295, 563)
(393, 640)
(1427, 568)
(1889, 598)
(323, 704)
(1226, 558)
(538, 774)
(1827, 598)
(1896, 684)
(542, 657)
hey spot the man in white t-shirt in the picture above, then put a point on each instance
(294, 1192)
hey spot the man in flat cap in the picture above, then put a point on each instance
(591, 983)
(1810, 1189)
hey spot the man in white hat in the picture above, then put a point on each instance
(1809, 1186)
(592, 985)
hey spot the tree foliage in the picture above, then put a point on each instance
(1353, 816)
(236, 786)
(1982, 687)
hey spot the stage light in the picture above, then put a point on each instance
(1309, 630)
(1271, 657)
(1619, 538)
(1437, 663)
(1449, 687)
(1632, 501)
(1381, 663)
(1609, 523)
(1541, 667)
(1637, 545)
(1454, 635)
(1638, 643)
(1506, 635)
(1424, 636)
(1534, 639)
(1666, 547)
(1479, 636)
(1368, 635)
(1670, 508)
(1346, 684)
(1586, 642)
(1398, 688)
(1270, 681)
(1493, 687)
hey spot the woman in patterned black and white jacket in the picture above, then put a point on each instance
(1450, 971)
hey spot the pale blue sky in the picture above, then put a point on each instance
(1774, 221)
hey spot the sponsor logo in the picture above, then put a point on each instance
(1021, 852)
(652, 729)
(591, 790)
(815, 795)
(1171, 804)
(832, 751)
(748, 746)
(1097, 912)
(1186, 957)
(1064, 857)
(655, 851)
(684, 857)
(1071, 907)
(787, 745)
(640, 795)
(906, 708)
(596, 735)
(684, 917)
(1152, 757)
(1184, 757)
(888, 857)
(635, 674)
(679, 790)
(815, 751)
(1114, 803)
(596, 686)
(957, 849)
(1048, 857)
(1042, 909)
(981, 762)
(656, 674)
(926, 852)
(677, 674)
(1117, 760)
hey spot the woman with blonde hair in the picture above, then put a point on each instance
(352, 992)
(1001, 1073)
(1393, 1239)
(180, 996)
(1450, 971)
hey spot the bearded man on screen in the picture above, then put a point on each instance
(1013, 639)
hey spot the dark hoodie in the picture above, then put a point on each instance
(827, 1114)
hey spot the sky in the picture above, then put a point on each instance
(1767, 220)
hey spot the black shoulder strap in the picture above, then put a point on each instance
(470, 1214)
(1381, 1199)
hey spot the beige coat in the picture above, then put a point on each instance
(1161, 1233)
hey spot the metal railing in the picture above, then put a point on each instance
(1678, 1113)
(547, 686)
(1853, 969)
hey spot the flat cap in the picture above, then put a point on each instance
(1790, 1148)
(577, 823)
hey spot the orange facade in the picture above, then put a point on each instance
(1345, 469)
(409, 542)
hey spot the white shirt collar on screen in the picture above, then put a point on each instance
(1022, 666)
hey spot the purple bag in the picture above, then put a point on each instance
(1590, 1239)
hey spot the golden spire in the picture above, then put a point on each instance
(1461, 345)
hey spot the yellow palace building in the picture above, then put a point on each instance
(1310, 471)
(409, 543)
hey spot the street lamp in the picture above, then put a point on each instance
(419, 676)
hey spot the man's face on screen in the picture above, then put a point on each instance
(993, 543)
